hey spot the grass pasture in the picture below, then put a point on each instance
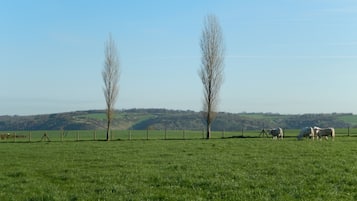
(233, 168)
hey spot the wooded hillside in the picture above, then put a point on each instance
(141, 119)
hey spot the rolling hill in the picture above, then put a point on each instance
(141, 119)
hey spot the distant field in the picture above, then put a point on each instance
(98, 116)
(120, 116)
(351, 119)
(262, 116)
(141, 119)
(234, 168)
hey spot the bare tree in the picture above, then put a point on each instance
(110, 75)
(211, 72)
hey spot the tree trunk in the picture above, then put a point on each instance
(108, 130)
(208, 135)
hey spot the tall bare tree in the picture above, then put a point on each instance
(110, 74)
(211, 72)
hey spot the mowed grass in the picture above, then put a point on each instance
(217, 169)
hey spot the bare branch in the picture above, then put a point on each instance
(110, 76)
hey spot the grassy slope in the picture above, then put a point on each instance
(229, 169)
(171, 119)
(351, 119)
(122, 120)
(129, 119)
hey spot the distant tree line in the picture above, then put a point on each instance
(160, 119)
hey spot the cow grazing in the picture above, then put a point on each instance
(277, 133)
(8, 135)
(5, 136)
(325, 132)
(306, 132)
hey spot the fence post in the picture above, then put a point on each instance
(242, 132)
(147, 134)
(348, 131)
(129, 134)
(15, 137)
(203, 134)
(223, 133)
(77, 136)
(29, 136)
(183, 134)
(95, 135)
(165, 133)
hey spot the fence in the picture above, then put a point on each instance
(100, 135)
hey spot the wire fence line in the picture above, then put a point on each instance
(116, 135)
(99, 135)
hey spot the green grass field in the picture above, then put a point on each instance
(193, 169)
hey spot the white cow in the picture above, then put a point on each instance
(307, 132)
(325, 132)
(277, 133)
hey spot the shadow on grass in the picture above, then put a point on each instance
(242, 137)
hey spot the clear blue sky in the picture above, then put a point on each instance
(284, 56)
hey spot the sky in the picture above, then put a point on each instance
(282, 56)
